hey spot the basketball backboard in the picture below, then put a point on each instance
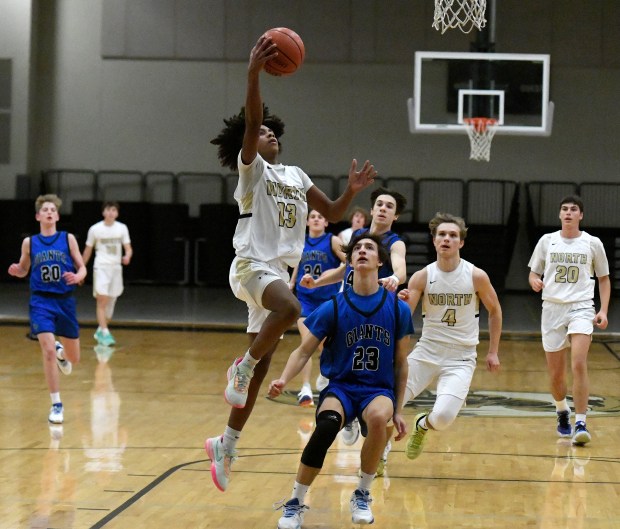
(512, 88)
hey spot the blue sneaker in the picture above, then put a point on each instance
(564, 427)
(581, 436)
(360, 507)
(293, 515)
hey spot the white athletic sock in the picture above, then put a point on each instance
(365, 480)
(422, 423)
(580, 417)
(55, 397)
(229, 441)
(299, 492)
(561, 405)
(249, 360)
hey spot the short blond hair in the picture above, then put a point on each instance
(42, 199)
(441, 218)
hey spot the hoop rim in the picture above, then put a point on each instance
(475, 121)
(479, 123)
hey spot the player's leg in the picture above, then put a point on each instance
(423, 370)
(453, 382)
(264, 287)
(375, 416)
(284, 310)
(222, 449)
(556, 368)
(102, 282)
(555, 343)
(47, 342)
(580, 345)
(330, 417)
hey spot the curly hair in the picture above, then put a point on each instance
(230, 138)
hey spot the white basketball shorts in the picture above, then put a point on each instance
(452, 366)
(248, 279)
(108, 281)
(560, 320)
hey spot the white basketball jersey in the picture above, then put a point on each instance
(450, 306)
(108, 241)
(568, 266)
(272, 211)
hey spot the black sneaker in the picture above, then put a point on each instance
(564, 427)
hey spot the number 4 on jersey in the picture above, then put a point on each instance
(449, 317)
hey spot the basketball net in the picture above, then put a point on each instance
(463, 14)
(481, 132)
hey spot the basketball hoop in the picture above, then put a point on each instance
(463, 14)
(481, 132)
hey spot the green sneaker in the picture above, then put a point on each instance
(416, 440)
(108, 340)
(98, 336)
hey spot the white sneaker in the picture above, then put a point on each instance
(351, 432)
(63, 364)
(360, 507)
(239, 377)
(305, 397)
(221, 462)
(321, 382)
(56, 414)
(293, 515)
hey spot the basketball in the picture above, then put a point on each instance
(291, 52)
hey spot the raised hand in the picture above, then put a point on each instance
(361, 179)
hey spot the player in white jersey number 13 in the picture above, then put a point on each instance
(273, 201)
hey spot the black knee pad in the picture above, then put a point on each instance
(327, 428)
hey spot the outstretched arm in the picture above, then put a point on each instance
(488, 296)
(295, 363)
(334, 210)
(263, 51)
(333, 275)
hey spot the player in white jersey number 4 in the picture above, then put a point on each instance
(450, 289)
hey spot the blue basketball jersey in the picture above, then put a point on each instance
(50, 258)
(361, 335)
(316, 258)
(386, 270)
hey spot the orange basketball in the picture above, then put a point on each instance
(291, 52)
